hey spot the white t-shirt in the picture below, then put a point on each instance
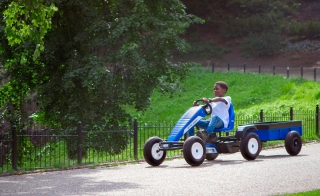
(221, 110)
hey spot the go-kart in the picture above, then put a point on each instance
(248, 138)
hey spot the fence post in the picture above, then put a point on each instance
(317, 120)
(79, 143)
(244, 68)
(259, 69)
(261, 115)
(288, 68)
(135, 138)
(274, 70)
(301, 72)
(14, 147)
(228, 66)
(291, 113)
(212, 67)
(315, 74)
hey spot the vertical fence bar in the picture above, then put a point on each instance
(14, 147)
(244, 68)
(274, 70)
(212, 67)
(301, 72)
(288, 68)
(315, 74)
(291, 113)
(79, 143)
(317, 120)
(261, 115)
(259, 69)
(135, 138)
(228, 66)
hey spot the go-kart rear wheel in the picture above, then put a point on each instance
(250, 146)
(211, 157)
(194, 151)
(293, 143)
(151, 152)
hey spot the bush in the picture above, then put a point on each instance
(265, 44)
(309, 29)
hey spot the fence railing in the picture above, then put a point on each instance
(46, 148)
(310, 73)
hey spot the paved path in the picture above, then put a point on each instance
(273, 172)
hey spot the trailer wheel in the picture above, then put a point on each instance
(151, 152)
(194, 151)
(250, 146)
(293, 143)
(211, 157)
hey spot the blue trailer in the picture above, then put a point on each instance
(248, 138)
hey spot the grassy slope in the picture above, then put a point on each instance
(249, 92)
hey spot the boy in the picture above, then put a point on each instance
(219, 116)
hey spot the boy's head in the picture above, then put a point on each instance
(220, 89)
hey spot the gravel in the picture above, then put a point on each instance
(273, 172)
(302, 46)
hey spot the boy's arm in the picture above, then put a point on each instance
(217, 99)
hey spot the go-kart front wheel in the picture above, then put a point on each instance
(151, 152)
(194, 151)
(250, 146)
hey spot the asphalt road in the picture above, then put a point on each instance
(273, 172)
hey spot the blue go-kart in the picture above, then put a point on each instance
(247, 139)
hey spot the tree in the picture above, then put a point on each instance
(85, 60)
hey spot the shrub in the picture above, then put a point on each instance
(309, 29)
(265, 44)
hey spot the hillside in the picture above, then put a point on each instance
(306, 54)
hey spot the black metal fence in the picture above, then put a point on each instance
(45, 149)
(310, 73)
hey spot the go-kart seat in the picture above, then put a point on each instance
(231, 121)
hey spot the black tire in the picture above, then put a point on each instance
(194, 151)
(211, 157)
(151, 153)
(250, 146)
(293, 143)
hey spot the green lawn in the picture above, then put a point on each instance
(308, 193)
(250, 92)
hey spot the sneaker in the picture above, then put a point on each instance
(203, 135)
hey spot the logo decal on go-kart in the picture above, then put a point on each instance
(194, 122)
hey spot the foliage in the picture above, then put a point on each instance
(23, 24)
(262, 45)
(201, 49)
(240, 18)
(97, 56)
(309, 29)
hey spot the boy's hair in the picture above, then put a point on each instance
(223, 85)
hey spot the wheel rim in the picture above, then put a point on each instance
(253, 146)
(296, 143)
(156, 154)
(197, 150)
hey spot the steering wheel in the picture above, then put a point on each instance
(195, 103)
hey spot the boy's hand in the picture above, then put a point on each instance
(195, 103)
(205, 100)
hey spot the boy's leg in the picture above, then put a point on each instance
(203, 124)
(215, 122)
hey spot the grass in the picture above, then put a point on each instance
(308, 193)
(250, 93)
